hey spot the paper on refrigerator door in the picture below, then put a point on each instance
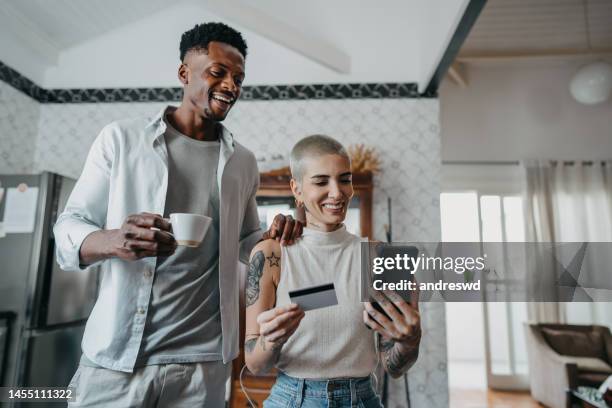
(20, 210)
(2, 232)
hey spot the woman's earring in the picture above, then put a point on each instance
(298, 204)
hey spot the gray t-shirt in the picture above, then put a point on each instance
(183, 320)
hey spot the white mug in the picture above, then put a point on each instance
(189, 229)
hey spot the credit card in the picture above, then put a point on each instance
(314, 297)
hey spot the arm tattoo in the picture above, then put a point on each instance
(253, 277)
(275, 349)
(399, 361)
(276, 346)
(249, 345)
(385, 345)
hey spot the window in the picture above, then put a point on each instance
(486, 344)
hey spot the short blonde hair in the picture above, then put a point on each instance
(315, 145)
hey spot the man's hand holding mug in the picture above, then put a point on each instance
(143, 235)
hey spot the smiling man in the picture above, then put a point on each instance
(165, 324)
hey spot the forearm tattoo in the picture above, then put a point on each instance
(253, 276)
(385, 345)
(249, 345)
(396, 359)
(275, 349)
(276, 346)
(276, 352)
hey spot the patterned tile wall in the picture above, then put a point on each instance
(405, 132)
(18, 130)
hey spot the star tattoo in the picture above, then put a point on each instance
(274, 260)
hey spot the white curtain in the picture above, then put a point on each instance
(566, 202)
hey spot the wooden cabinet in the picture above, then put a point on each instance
(258, 387)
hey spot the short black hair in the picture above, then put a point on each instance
(201, 35)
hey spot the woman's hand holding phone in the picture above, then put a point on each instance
(400, 322)
(399, 327)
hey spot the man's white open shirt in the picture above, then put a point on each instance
(126, 173)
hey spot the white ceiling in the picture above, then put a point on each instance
(82, 43)
(65, 23)
(320, 41)
(540, 27)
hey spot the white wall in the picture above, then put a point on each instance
(589, 313)
(525, 111)
(438, 23)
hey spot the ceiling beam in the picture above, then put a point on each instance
(471, 13)
(501, 56)
(282, 33)
(458, 74)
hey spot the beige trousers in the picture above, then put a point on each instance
(164, 385)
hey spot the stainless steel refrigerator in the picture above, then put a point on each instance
(42, 308)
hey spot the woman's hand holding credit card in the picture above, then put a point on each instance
(278, 324)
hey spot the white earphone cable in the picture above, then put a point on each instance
(251, 403)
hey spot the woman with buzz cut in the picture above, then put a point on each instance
(325, 357)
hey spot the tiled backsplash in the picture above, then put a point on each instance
(404, 131)
(19, 116)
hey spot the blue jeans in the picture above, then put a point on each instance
(290, 392)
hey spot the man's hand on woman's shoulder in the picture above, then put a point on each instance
(284, 229)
